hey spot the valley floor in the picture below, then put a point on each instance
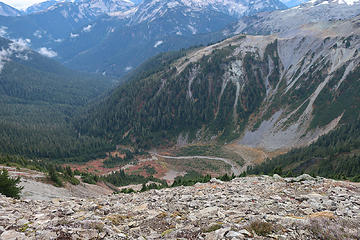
(245, 208)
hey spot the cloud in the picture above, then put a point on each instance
(87, 29)
(74, 35)
(17, 48)
(3, 32)
(19, 45)
(47, 52)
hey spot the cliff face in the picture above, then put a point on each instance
(252, 207)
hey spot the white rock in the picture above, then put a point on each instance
(12, 235)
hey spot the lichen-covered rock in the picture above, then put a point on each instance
(244, 208)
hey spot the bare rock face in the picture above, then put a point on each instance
(245, 208)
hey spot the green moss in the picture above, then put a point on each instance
(212, 228)
(261, 228)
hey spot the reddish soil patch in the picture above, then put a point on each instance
(94, 166)
(140, 169)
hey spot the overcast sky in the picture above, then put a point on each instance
(21, 4)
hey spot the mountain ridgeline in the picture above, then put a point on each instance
(273, 93)
(113, 37)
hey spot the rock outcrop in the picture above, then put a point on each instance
(246, 208)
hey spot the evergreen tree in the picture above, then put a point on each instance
(8, 185)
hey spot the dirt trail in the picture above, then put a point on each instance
(235, 169)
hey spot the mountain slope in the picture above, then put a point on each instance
(38, 97)
(335, 155)
(42, 6)
(96, 6)
(290, 20)
(273, 92)
(122, 42)
(6, 10)
(50, 27)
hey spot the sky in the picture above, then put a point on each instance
(21, 4)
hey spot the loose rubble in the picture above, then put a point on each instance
(245, 208)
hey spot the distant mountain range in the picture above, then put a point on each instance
(43, 6)
(112, 37)
(292, 19)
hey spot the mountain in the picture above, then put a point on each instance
(269, 92)
(6, 10)
(38, 97)
(42, 6)
(60, 21)
(113, 45)
(96, 6)
(282, 21)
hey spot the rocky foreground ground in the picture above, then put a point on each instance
(246, 208)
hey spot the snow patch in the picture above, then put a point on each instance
(192, 29)
(74, 35)
(87, 28)
(128, 68)
(158, 43)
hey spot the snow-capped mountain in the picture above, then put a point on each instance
(153, 9)
(6, 10)
(289, 20)
(126, 39)
(95, 7)
(103, 35)
(59, 21)
(38, 7)
(100, 7)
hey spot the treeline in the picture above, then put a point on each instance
(335, 155)
(189, 179)
(55, 173)
(120, 178)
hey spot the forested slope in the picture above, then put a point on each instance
(38, 98)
